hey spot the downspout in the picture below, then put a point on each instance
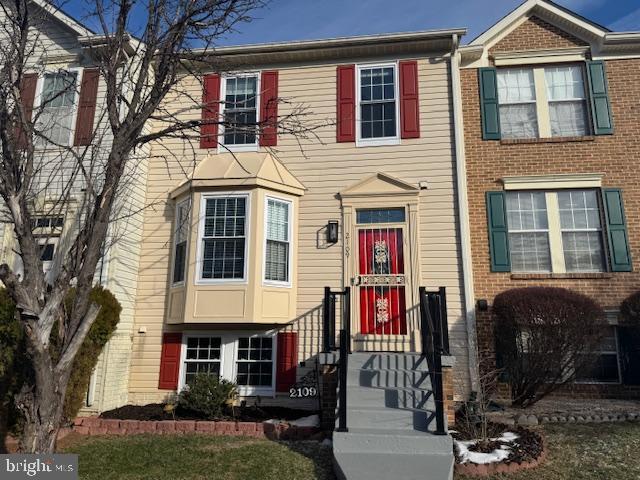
(463, 213)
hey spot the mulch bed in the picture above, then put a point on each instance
(155, 411)
(528, 451)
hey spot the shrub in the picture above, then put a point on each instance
(544, 336)
(207, 395)
(629, 339)
(12, 351)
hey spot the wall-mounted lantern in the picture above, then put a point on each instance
(483, 305)
(332, 231)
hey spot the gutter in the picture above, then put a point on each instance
(463, 215)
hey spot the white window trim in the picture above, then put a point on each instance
(554, 231)
(229, 359)
(76, 100)
(543, 112)
(247, 237)
(275, 283)
(553, 182)
(187, 202)
(371, 142)
(247, 147)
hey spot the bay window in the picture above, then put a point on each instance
(542, 102)
(223, 241)
(240, 109)
(377, 103)
(57, 102)
(277, 240)
(555, 231)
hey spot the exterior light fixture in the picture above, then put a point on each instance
(483, 305)
(332, 231)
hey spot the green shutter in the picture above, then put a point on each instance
(600, 104)
(488, 81)
(498, 234)
(619, 252)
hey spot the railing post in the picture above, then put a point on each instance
(424, 327)
(444, 323)
(344, 359)
(346, 316)
(326, 321)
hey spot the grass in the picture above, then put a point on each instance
(198, 457)
(577, 452)
(601, 451)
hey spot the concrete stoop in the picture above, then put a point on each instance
(390, 416)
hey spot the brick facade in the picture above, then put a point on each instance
(616, 157)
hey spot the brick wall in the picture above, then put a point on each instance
(617, 157)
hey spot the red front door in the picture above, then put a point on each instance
(381, 281)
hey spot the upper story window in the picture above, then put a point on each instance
(47, 231)
(542, 102)
(377, 103)
(278, 241)
(555, 231)
(240, 110)
(57, 102)
(181, 234)
(223, 241)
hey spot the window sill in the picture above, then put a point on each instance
(377, 142)
(561, 276)
(521, 141)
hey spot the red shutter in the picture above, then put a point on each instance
(210, 111)
(87, 107)
(269, 109)
(346, 103)
(409, 113)
(170, 361)
(287, 360)
(27, 96)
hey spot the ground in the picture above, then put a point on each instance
(577, 452)
(597, 451)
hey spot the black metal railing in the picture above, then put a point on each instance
(329, 343)
(434, 332)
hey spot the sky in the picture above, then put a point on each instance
(283, 20)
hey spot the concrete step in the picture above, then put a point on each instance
(390, 418)
(388, 361)
(390, 397)
(386, 453)
(388, 378)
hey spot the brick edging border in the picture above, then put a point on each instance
(282, 431)
(486, 470)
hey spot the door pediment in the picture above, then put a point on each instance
(379, 184)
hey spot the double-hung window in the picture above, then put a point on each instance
(543, 102)
(203, 355)
(278, 240)
(240, 110)
(223, 237)
(377, 103)
(47, 231)
(604, 368)
(254, 363)
(181, 234)
(57, 105)
(555, 231)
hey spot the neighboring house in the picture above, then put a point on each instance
(551, 112)
(236, 253)
(61, 67)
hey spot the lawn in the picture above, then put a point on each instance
(198, 457)
(600, 451)
(577, 452)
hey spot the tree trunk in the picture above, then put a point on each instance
(41, 401)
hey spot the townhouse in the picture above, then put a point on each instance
(248, 227)
(550, 104)
(61, 66)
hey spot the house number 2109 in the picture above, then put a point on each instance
(303, 392)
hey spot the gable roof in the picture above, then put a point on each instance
(64, 18)
(379, 184)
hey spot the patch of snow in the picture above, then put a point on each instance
(498, 455)
(310, 421)
(327, 442)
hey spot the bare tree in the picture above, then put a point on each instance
(40, 175)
